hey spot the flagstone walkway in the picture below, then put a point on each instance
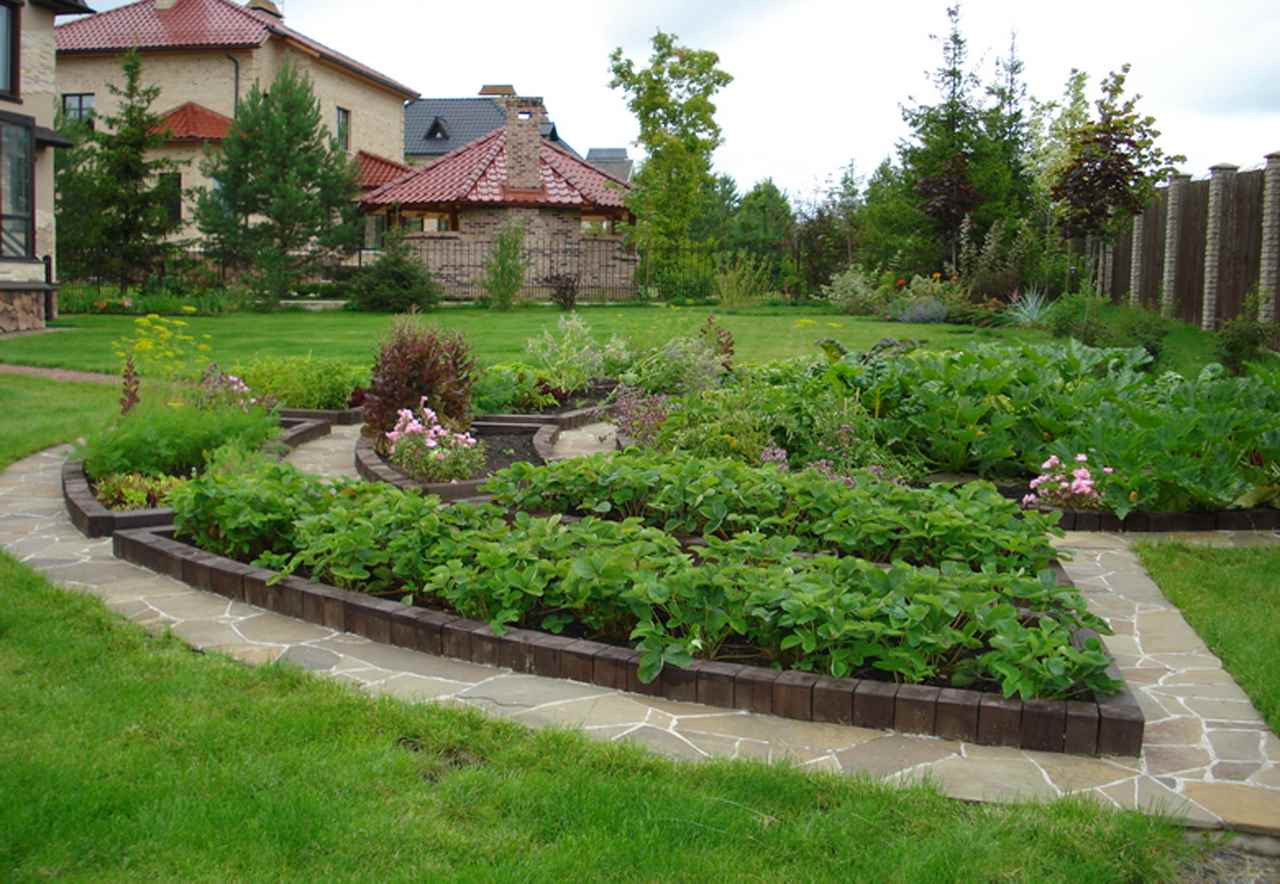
(1208, 757)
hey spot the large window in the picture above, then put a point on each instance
(17, 201)
(78, 106)
(344, 128)
(10, 42)
(171, 184)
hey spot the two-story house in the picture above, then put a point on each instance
(27, 100)
(205, 55)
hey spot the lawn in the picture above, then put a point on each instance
(760, 334)
(1231, 598)
(39, 413)
(130, 757)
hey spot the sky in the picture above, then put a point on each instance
(819, 83)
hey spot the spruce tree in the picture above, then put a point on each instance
(78, 182)
(284, 191)
(133, 194)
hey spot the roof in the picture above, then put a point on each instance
(197, 24)
(194, 122)
(462, 120)
(613, 160)
(477, 174)
(376, 171)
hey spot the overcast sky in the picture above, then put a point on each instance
(818, 83)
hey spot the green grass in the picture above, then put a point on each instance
(128, 757)
(38, 413)
(761, 334)
(1231, 598)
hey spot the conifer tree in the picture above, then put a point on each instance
(284, 190)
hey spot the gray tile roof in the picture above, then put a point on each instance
(612, 161)
(462, 120)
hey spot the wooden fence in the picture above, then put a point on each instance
(1244, 231)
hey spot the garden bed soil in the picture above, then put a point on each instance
(505, 444)
(1257, 519)
(582, 410)
(1112, 725)
(94, 520)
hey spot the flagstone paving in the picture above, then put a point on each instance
(1208, 758)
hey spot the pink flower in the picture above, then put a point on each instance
(1082, 458)
(1029, 500)
(1051, 463)
(1082, 473)
(1108, 470)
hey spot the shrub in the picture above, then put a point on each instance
(920, 310)
(173, 441)
(856, 292)
(682, 365)
(431, 452)
(640, 415)
(512, 386)
(1138, 327)
(302, 381)
(741, 281)
(1028, 308)
(1079, 316)
(504, 269)
(570, 358)
(397, 282)
(564, 289)
(414, 362)
(1246, 338)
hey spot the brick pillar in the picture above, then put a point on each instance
(1108, 261)
(1172, 232)
(1135, 263)
(1269, 280)
(1219, 198)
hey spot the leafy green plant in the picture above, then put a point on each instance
(397, 282)
(302, 381)
(512, 386)
(741, 280)
(134, 491)
(504, 269)
(417, 361)
(858, 293)
(682, 365)
(570, 358)
(1028, 308)
(1246, 338)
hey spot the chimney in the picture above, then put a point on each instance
(524, 142)
(162, 5)
(267, 6)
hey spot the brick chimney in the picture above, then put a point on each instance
(267, 6)
(162, 5)
(524, 142)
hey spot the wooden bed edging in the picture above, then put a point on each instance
(1105, 726)
(338, 417)
(94, 520)
(372, 468)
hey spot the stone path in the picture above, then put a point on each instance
(1208, 757)
(332, 456)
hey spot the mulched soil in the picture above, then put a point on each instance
(502, 450)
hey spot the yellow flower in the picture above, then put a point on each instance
(805, 323)
(835, 325)
(188, 309)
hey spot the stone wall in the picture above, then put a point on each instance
(554, 245)
(21, 311)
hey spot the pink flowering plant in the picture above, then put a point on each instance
(427, 450)
(1069, 485)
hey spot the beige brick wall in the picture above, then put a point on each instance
(207, 78)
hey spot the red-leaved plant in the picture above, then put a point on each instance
(416, 361)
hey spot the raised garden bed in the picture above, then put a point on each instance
(566, 418)
(341, 417)
(1110, 725)
(94, 520)
(506, 443)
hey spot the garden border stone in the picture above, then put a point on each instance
(1111, 725)
(338, 417)
(94, 520)
(372, 468)
(571, 419)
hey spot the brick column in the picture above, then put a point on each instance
(1108, 269)
(1218, 201)
(1269, 279)
(1172, 232)
(1135, 263)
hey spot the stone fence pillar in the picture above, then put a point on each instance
(1219, 200)
(1135, 263)
(1172, 232)
(1269, 279)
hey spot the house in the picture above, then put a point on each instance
(28, 95)
(613, 161)
(568, 208)
(205, 55)
(434, 127)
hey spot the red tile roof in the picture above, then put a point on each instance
(477, 173)
(376, 171)
(194, 122)
(192, 24)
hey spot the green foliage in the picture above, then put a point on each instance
(172, 441)
(1246, 338)
(504, 268)
(302, 381)
(763, 225)
(681, 365)
(570, 358)
(417, 362)
(284, 191)
(397, 282)
(741, 280)
(858, 293)
(80, 189)
(512, 387)
(440, 462)
(1097, 323)
(134, 491)
(681, 274)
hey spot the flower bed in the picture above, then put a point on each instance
(579, 411)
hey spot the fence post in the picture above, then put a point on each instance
(1219, 196)
(1135, 263)
(1269, 279)
(1172, 233)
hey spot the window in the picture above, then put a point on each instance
(10, 41)
(17, 184)
(375, 231)
(171, 185)
(344, 128)
(78, 106)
